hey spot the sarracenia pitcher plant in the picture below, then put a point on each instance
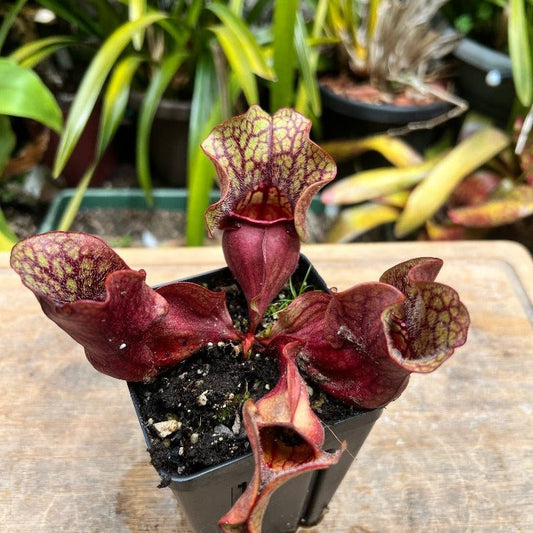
(359, 345)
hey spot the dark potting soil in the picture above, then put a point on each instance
(193, 411)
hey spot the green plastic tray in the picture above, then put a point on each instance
(171, 199)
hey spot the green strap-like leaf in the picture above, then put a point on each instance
(233, 52)
(246, 45)
(23, 94)
(115, 100)
(156, 88)
(435, 189)
(310, 92)
(92, 83)
(74, 203)
(201, 173)
(206, 112)
(34, 52)
(136, 9)
(205, 92)
(305, 95)
(520, 52)
(282, 90)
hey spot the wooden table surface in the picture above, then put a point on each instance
(453, 454)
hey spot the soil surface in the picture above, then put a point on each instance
(346, 86)
(160, 227)
(192, 412)
(133, 227)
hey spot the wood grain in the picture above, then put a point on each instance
(453, 454)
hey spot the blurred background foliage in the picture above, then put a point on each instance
(219, 57)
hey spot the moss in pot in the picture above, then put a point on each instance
(358, 345)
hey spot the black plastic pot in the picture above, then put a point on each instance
(206, 496)
(343, 117)
(485, 80)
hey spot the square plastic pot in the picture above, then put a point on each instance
(206, 496)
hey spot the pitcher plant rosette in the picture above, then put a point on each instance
(359, 345)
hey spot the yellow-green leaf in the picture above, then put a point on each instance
(394, 149)
(233, 52)
(307, 61)
(115, 100)
(74, 203)
(246, 44)
(497, 212)
(520, 52)
(354, 221)
(23, 94)
(34, 52)
(136, 9)
(156, 88)
(430, 194)
(395, 199)
(374, 183)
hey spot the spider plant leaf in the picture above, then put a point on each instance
(435, 189)
(234, 54)
(236, 6)
(193, 12)
(374, 183)
(394, 149)
(7, 237)
(201, 174)
(520, 52)
(354, 221)
(115, 100)
(249, 50)
(497, 212)
(32, 53)
(156, 88)
(73, 206)
(284, 55)
(136, 9)
(92, 83)
(304, 102)
(23, 94)
(205, 90)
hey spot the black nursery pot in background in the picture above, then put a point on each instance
(485, 80)
(206, 496)
(346, 118)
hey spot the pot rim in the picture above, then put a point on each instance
(483, 57)
(383, 113)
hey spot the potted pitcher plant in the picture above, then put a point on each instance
(292, 348)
